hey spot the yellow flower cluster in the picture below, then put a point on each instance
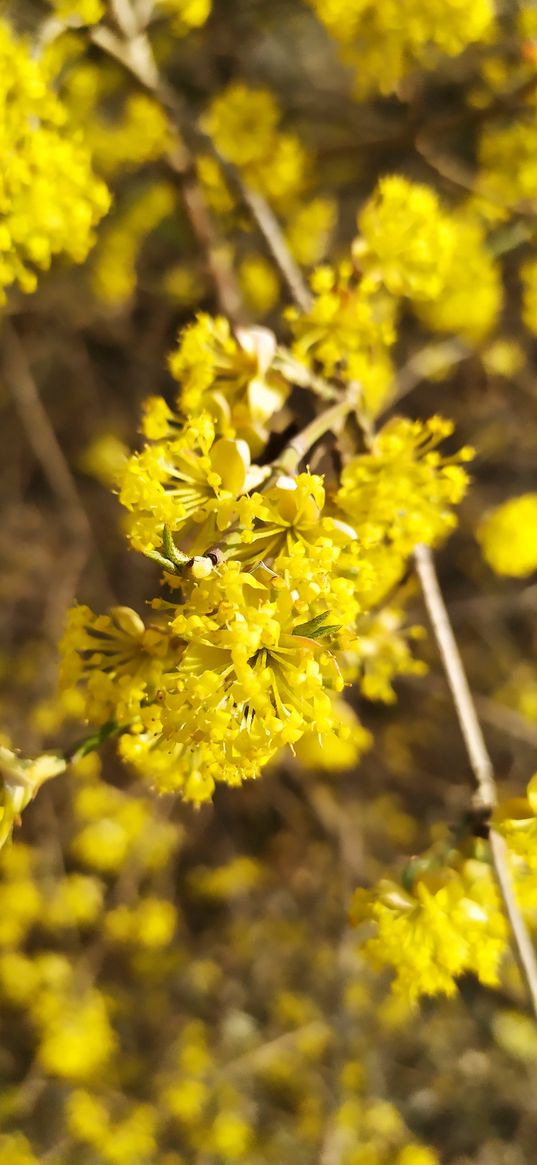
(444, 918)
(528, 275)
(271, 578)
(508, 536)
(230, 376)
(186, 14)
(385, 42)
(439, 260)
(516, 819)
(348, 331)
(404, 486)
(406, 241)
(448, 923)
(507, 167)
(471, 297)
(244, 125)
(114, 265)
(80, 11)
(49, 197)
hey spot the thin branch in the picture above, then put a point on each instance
(428, 361)
(133, 51)
(135, 54)
(40, 435)
(286, 363)
(501, 718)
(299, 446)
(479, 760)
(270, 229)
(17, 376)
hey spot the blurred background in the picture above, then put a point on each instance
(182, 987)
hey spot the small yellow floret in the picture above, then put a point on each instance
(508, 536)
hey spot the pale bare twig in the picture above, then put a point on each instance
(270, 229)
(429, 361)
(135, 53)
(500, 717)
(479, 759)
(330, 420)
(286, 363)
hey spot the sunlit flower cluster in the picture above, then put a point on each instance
(448, 923)
(175, 993)
(49, 197)
(244, 125)
(384, 43)
(271, 578)
(508, 536)
(443, 918)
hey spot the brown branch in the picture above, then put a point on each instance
(19, 381)
(40, 435)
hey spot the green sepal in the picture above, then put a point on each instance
(316, 628)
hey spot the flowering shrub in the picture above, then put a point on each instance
(260, 854)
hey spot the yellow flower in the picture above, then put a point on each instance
(289, 512)
(113, 272)
(471, 297)
(260, 284)
(82, 11)
(185, 483)
(21, 780)
(187, 14)
(507, 167)
(309, 230)
(116, 657)
(340, 747)
(508, 536)
(251, 679)
(77, 1040)
(417, 1155)
(406, 241)
(516, 819)
(384, 42)
(229, 376)
(104, 458)
(242, 123)
(528, 273)
(449, 923)
(87, 1118)
(404, 487)
(348, 330)
(15, 1149)
(50, 200)
(76, 902)
(230, 1136)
